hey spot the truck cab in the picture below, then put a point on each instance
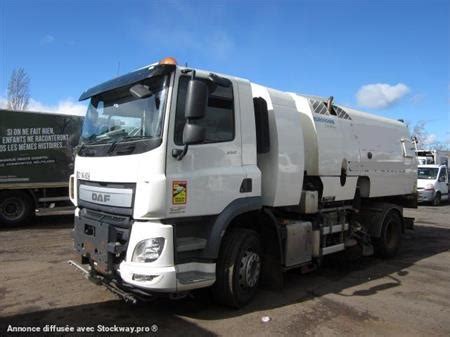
(164, 152)
(432, 183)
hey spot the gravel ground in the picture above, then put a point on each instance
(405, 296)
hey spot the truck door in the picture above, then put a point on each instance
(210, 175)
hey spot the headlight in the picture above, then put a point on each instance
(429, 187)
(148, 250)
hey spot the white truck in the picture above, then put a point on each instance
(432, 175)
(432, 183)
(189, 179)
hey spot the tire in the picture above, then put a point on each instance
(238, 268)
(437, 199)
(388, 244)
(16, 207)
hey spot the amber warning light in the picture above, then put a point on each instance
(168, 60)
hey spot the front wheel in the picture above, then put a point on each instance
(238, 268)
(16, 207)
(388, 244)
(437, 199)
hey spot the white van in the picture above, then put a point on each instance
(432, 183)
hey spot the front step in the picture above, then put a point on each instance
(187, 244)
(332, 249)
(191, 277)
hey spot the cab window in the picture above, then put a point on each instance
(219, 117)
(442, 174)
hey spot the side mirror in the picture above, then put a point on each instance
(195, 108)
(196, 99)
(193, 134)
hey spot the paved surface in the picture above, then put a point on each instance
(406, 296)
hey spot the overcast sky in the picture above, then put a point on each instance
(386, 57)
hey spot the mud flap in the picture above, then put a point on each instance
(409, 223)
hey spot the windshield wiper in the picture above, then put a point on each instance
(113, 145)
(136, 137)
(97, 141)
(124, 138)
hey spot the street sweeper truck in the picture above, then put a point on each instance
(188, 179)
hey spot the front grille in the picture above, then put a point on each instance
(113, 219)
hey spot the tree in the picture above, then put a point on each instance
(425, 140)
(18, 90)
(419, 131)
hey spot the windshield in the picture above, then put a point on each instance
(427, 172)
(118, 115)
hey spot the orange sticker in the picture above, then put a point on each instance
(179, 192)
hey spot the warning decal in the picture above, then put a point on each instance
(179, 192)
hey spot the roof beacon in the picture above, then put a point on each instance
(168, 60)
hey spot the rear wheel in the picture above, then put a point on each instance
(238, 268)
(16, 207)
(388, 244)
(437, 199)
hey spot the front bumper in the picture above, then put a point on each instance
(162, 271)
(425, 195)
(97, 242)
(174, 279)
(163, 274)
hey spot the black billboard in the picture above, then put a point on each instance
(37, 147)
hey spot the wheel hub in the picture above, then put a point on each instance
(11, 208)
(249, 270)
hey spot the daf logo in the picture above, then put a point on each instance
(101, 197)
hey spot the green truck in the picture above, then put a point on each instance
(36, 160)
